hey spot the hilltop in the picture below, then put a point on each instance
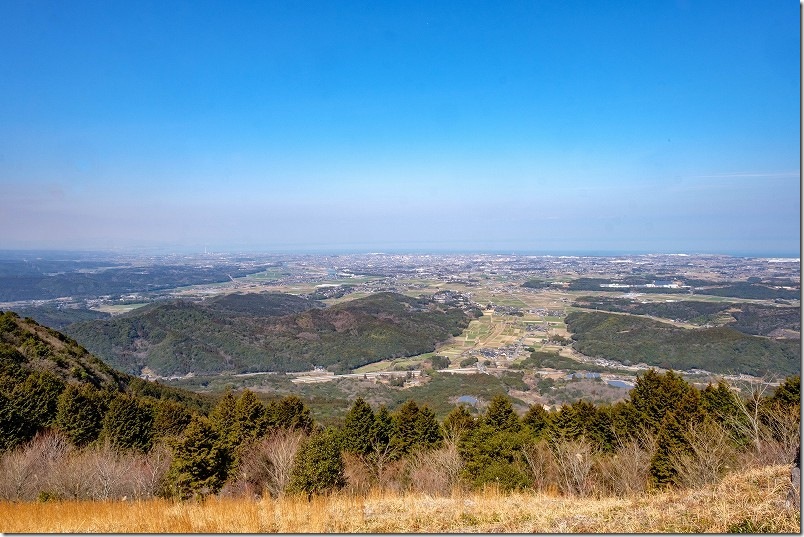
(269, 332)
(634, 339)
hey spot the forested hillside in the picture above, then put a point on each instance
(632, 339)
(269, 332)
(754, 319)
(49, 380)
(763, 290)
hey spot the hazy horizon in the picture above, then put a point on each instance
(660, 127)
(329, 251)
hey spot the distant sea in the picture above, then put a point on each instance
(334, 250)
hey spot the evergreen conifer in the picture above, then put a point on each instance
(128, 423)
(500, 415)
(79, 413)
(318, 466)
(359, 424)
(200, 465)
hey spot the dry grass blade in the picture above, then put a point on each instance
(747, 501)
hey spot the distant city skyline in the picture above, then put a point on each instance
(539, 126)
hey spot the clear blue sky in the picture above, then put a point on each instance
(659, 126)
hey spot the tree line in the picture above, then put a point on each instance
(72, 440)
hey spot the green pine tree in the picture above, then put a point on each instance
(427, 429)
(249, 418)
(222, 419)
(500, 415)
(458, 422)
(538, 420)
(405, 432)
(382, 432)
(128, 423)
(318, 467)
(79, 413)
(359, 424)
(493, 456)
(788, 393)
(414, 428)
(13, 430)
(37, 399)
(655, 394)
(170, 418)
(718, 401)
(289, 413)
(200, 464)
(573, 421)
(626, 422)
(670, 443)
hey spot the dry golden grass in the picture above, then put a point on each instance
(753, 500)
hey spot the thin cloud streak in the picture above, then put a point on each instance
(746, 175)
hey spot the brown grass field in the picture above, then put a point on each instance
(750, 502)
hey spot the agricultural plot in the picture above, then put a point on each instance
(117, 309)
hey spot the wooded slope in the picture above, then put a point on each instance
(269, 332)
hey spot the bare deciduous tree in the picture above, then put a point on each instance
(781, 434)
(267, 464)
(26, 470)
(49, 465)
(110, 470)
(71, 479)
(541, 463)
(379, 459)
(281, 452)
(626, 471)
(149, 470)
(711, 455)
(774, 431)
(435, 471)
(748, 423)
(358, 474)
(574, 463)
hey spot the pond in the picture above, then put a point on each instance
(620, 384)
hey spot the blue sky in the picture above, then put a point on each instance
(539, 126)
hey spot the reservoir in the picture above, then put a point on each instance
(620, 384)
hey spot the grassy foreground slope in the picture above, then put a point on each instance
(720, 350)
(270, 332)
(750, 502)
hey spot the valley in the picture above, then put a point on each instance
(513, 306)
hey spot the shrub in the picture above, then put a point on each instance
(710, 455)
(541, 463)
(435, 471)
(25, 471)
(574, 464)
(624, 472)
(266, 464)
